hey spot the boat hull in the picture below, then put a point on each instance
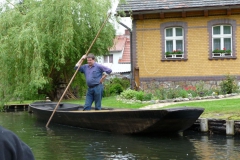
(124, 121)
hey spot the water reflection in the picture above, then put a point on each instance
(215, 146)
(101, 145)
(68, 143)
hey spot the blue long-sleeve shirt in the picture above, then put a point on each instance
(93, 74)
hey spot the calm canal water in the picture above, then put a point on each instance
(68, 143)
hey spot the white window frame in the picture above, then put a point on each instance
(174, 38)
(221, 36)
(108, 58)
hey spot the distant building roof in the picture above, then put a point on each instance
(149, 5)
(119, 43)
(126, 53)
(122, 44)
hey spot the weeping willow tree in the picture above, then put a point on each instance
(41, 41)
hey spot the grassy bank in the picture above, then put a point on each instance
(20, 102)
(219, 109)
(111, 102)
(106, 102)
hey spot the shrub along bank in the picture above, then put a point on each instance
(227, 86)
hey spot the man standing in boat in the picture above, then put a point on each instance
(95, 74)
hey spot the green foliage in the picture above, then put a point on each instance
(147, 97)
(138, 95)
(222, 51)
(172, 93)
(174, 52)
(160, 93)
(116, 89)
(122, 12)
(228, 85)
(193, 93)
(41, 41)
(201, 91)
(106, 91)
(115, 86)
(129, 94)
(142, 96)
(217, 91)
(182, 93)
(111, 102)
(125, 83)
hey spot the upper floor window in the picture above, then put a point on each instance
(222, 40)
(108, 59)
(174, 42)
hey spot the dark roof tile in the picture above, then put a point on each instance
(147, 5)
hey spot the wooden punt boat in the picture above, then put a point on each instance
(123, 121)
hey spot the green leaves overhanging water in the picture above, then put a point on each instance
(41, 41)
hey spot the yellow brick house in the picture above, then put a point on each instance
(183, 42)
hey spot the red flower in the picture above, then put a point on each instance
(224, 48)
(190, 88)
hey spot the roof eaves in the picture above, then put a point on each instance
(121, 72)
(197, 8)
(124, 62)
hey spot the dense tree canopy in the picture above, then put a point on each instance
(41, 41)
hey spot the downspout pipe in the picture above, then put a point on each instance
(131, 52)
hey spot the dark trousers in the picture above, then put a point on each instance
(94, 94)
